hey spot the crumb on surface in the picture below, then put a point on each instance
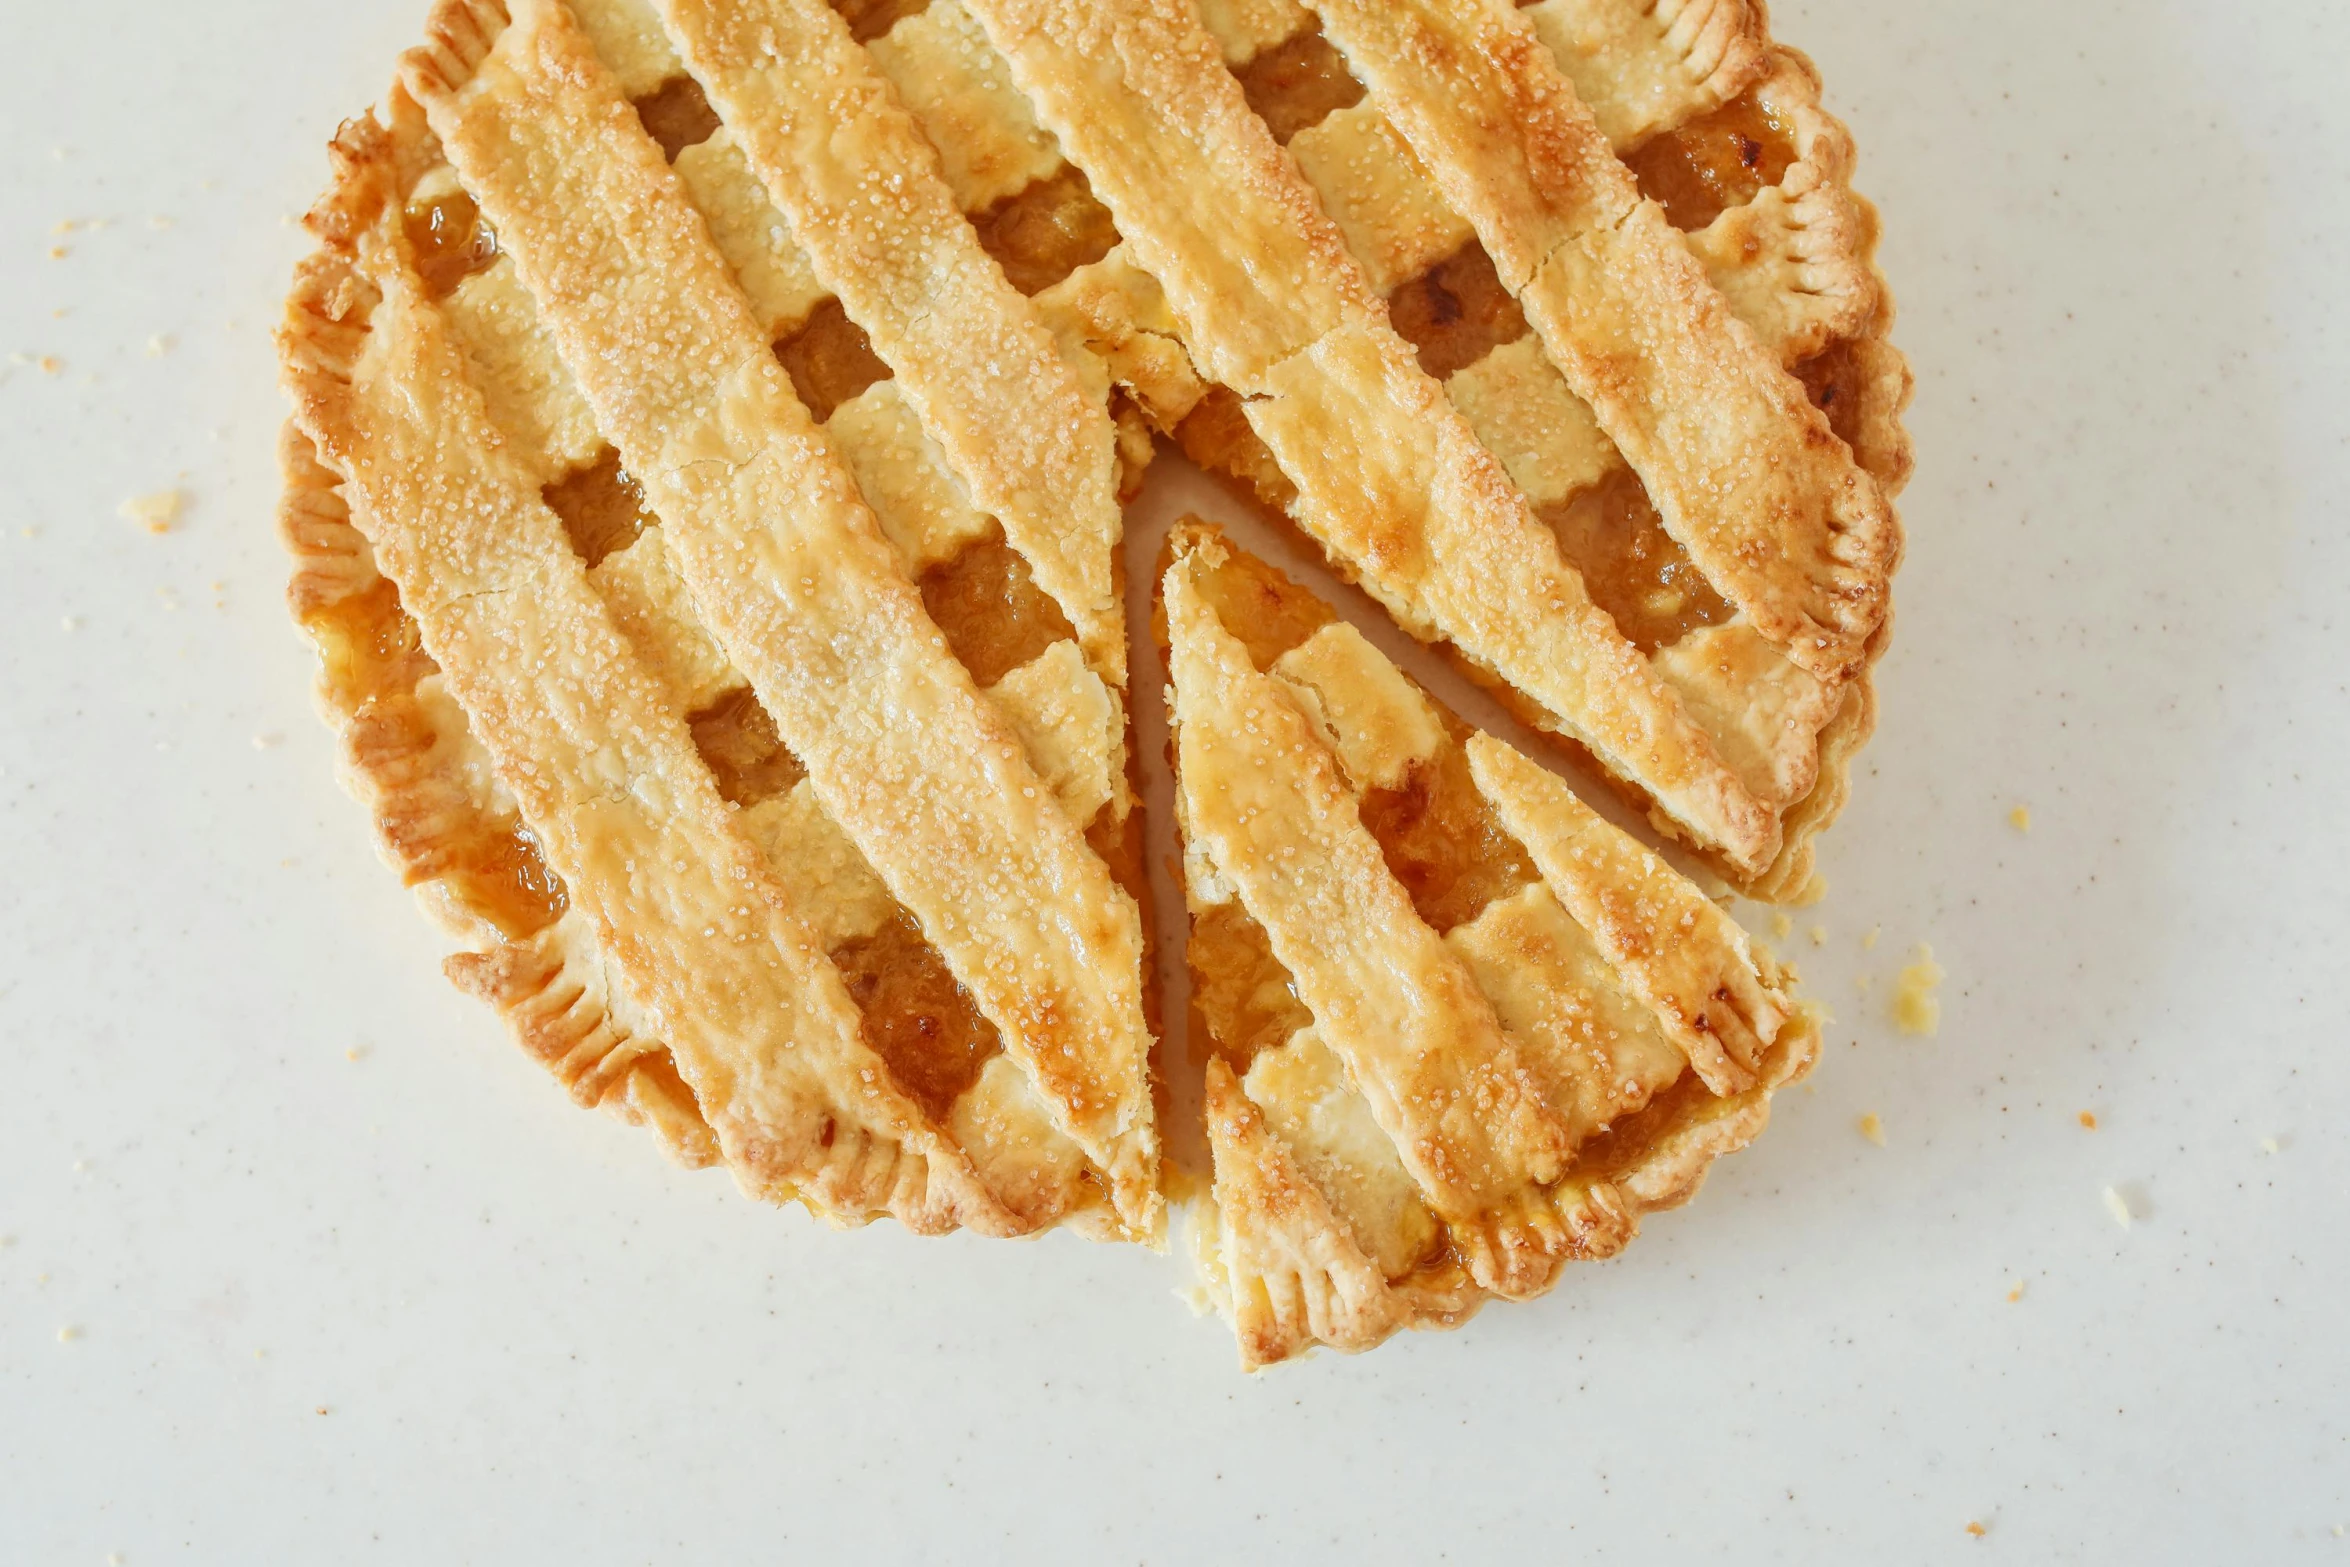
(1873, 1128)
(1781, 925)
(2020, 818)
(1975, 1528)
(1916, 1009)
(2119, 1206)
(1868, 943)
(157, 512)
(67, 1335)
(2271, 1145)
(158, 346)
(1819, 935)
(49, 364)
(2088, 1119)
(71, 622)
(2015, 1292)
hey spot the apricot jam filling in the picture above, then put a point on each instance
(450, 240)
(1457, 312)
(744, 753)
(1717, 161)
(1631, 566)
(1298, 83)
(601, 505)
(677, 115)
(373, 658)
(994, 615)
(1043, 233)
(917, 1016)
(830, 359)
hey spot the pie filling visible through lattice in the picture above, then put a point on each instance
(712, 425)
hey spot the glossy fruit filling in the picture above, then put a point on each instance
(1717, 161)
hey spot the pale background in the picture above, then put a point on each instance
(2119, 234)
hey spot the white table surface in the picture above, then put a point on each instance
(414, 1307)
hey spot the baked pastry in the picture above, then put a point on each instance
(1598, 482)
(712, 424)
(645, 675)
(1458, 1028)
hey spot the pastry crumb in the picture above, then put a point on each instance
(2015, 1292)
(2020, 818)
(2272, 1145)
(355, 1053)
(1916, 1009)
(157, 512)
(70, 622)
(1975, 1528)
(1873, 1128)
(1819, 935)
(49, 364)
(1868, 943)
(2088, 1119)
(1781, 925)
(158, 346)
(67, 1335)
(265, 742)
(2119, 1206)
(60, 252)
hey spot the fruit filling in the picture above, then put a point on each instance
(1298, 83)
(830, 359)
(373, 657)
(450, 240)
(871, 19)
(677, 115)
(1043, 233)
(1457, 312)
(1717, 161)
(994, 615)
(1631, 566)
(917, 1016)
(744, 753)
(601, 505)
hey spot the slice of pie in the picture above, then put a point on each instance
(1459, 1029)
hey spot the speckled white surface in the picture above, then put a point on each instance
(413, 1307)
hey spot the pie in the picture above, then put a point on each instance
(1459, 1029)
(713, 420)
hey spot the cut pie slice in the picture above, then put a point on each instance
(773, 773)
(1459, 1029)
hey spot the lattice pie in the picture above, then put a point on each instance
(713, 420)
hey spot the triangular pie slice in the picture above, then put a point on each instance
(772, 771)
(1459, 1029)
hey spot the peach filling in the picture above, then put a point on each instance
(677, 115)
(994, 615)
(917, 1016)
(830, 359)
(1043, 233)
(601, 505)
(1631, 566)
(1717, 161)
(1298, 83)
(871, 19)
(373, 659)
(449, 239)
(1457, 312)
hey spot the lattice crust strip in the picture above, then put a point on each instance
(1501, 1029)
(1013, 1131)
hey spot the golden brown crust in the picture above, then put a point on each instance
(787, 568)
